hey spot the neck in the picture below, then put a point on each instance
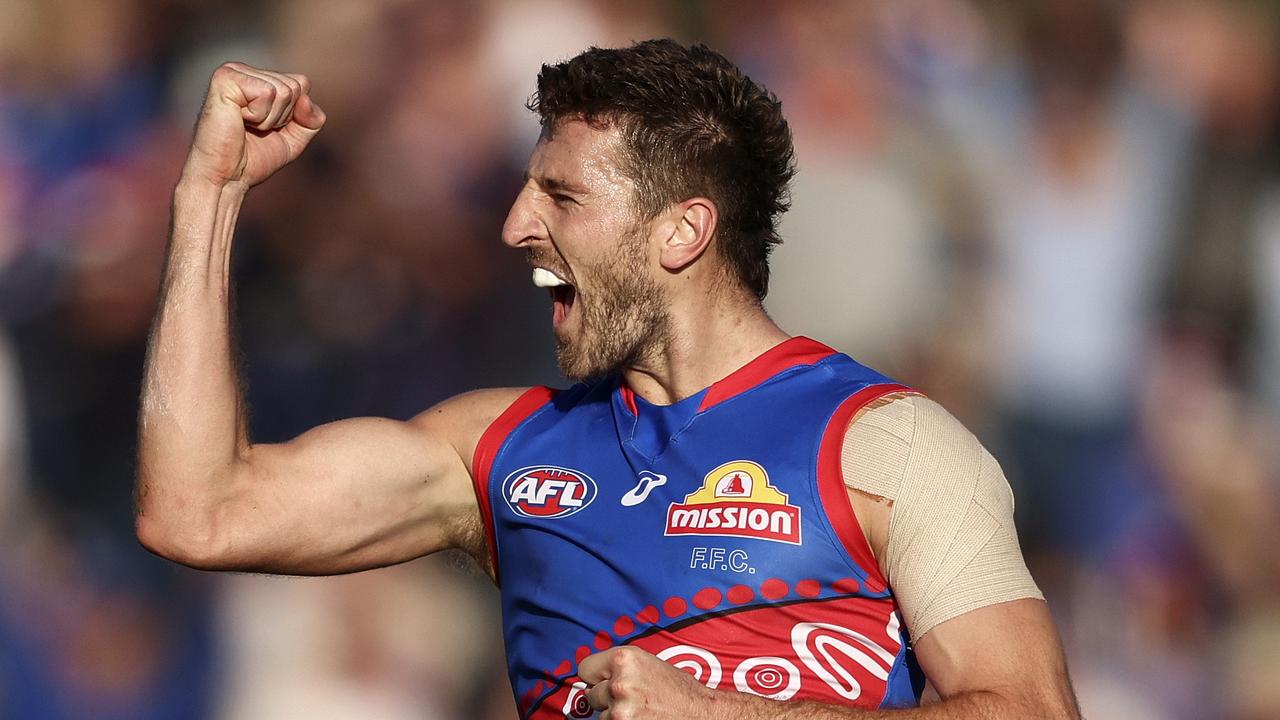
(708, 341)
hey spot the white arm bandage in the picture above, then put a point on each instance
(951, 544)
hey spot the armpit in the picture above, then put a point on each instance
(951, 545)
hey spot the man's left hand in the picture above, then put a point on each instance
(627, 683)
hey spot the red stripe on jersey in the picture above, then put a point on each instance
(787, 354)
(487, 450)
(831, 487)
(629, 397)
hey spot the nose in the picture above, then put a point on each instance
(523, 225)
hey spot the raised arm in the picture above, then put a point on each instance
(343, 497)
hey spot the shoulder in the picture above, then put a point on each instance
(943, 458)
(463, 420)
(937, 510)
(484, 416)
(873, 460)
(905, 456)
(904, 427)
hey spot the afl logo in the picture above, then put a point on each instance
(546, 491)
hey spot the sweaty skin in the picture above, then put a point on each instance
(368, 492)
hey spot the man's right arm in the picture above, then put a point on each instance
(342, 497)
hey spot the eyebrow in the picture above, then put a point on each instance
(555, 184)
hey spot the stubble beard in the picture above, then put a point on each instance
(625, 322)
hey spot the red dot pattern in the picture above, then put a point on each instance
(808, 588)
(623, 626)
(674, 607)
(649, 615)
(846, 585)
(603, 641)
(740, 594)
(774, 589)
(707, 598)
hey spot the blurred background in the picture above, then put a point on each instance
(1061, 219)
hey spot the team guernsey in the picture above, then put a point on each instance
(715, 533)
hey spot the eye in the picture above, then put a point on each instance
(562, 199)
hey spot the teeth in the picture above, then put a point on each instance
(544, 278)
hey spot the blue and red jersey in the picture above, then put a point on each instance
(715, 533)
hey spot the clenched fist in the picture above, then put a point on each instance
(627, 683)
(253, 123)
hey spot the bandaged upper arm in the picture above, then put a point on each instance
(951, 544)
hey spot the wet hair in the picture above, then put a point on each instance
(692, 124)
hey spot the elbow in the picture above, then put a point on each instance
(156, 537)
(186, 537)
(153, 536)
(184, 545)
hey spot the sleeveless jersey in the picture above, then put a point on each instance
(715, 533)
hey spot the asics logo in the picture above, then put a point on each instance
(639, 493)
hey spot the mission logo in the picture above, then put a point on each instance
(737, 500)
(546, 491)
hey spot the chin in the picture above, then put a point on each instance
(574, 369)
(578, 365)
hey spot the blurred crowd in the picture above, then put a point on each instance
(1059, 218)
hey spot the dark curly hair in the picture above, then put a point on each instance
(692, 125)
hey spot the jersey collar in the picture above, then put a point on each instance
(793, 352)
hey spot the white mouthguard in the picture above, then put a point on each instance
(544, 278)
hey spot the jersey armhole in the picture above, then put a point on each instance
(831, 488)
(487, 450)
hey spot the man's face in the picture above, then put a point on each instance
(576, 221)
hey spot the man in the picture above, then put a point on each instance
(684, 508)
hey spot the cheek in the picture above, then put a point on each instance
(596, 248)
(602, 232)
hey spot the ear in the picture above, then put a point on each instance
(688, 233)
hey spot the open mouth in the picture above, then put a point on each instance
(562, 294)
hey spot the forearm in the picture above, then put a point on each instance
(192, 426)
(966, 706)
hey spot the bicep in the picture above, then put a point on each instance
(357, 494)
(342, 497)
(1010, 649)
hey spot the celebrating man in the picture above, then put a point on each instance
(718, 521)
